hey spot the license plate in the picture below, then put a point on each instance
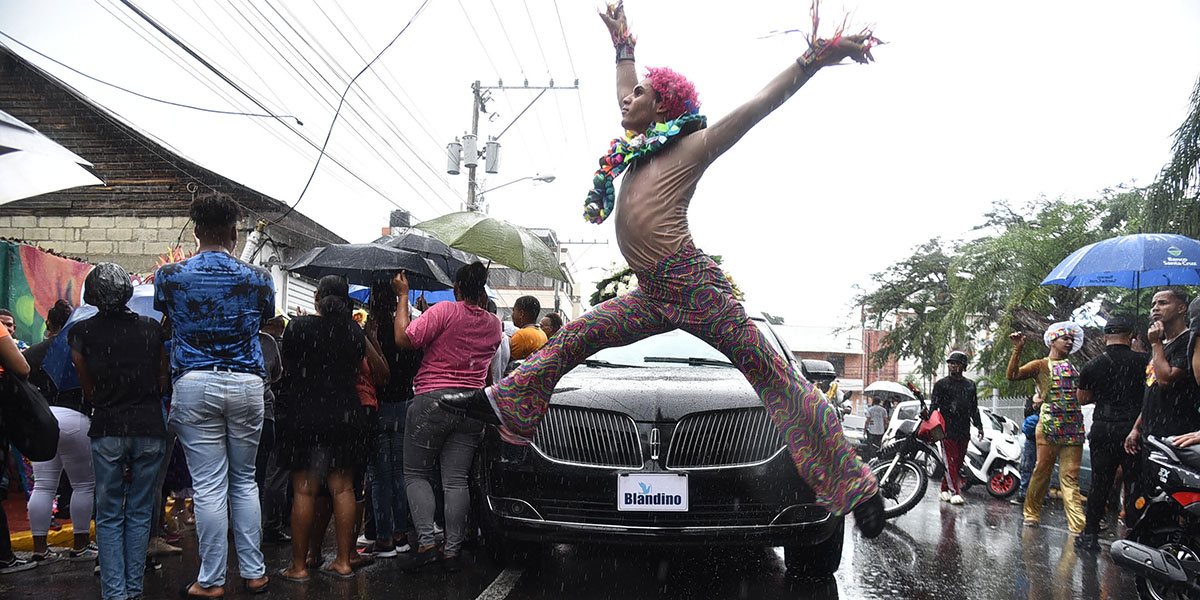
(657, 492)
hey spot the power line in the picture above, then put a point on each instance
(343, 100)
(571, 61)
(139, 94)
(327, 58)
(374, 106)
(119, 122)
(511, 47)
(392, 86)
(213, 30)
(257, 102)
(537, 38)
(169, 52)
(305, 81)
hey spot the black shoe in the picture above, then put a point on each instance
(451, 564)
(153, 564)
(868, 515)
(422, 558)
(1087, 542)
(472, 404)
(276, 536)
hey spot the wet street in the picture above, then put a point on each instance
(979, 550)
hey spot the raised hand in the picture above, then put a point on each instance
(1156, 332)
(1018, 339)
(855, 47)
(400, 286)
(614, 18)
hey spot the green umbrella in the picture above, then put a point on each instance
(496, 240)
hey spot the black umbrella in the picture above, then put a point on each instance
(364, 263)
(450, 260)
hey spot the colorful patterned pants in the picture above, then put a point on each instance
(688, 291)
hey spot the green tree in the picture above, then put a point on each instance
(949, 295)
(1173, 204)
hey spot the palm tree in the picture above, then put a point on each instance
(1173, 202)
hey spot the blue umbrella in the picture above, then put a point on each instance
(58, 363)
(1131, 261)
(362, 293)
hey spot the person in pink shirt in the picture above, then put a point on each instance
(459, 339)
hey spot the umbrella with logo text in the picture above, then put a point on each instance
(1135, 262)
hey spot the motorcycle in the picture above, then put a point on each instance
(900, 466)
(1163, 547)
(993, 461)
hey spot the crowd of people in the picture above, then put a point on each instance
(1135, 393)
(316, 418)
(401, 401)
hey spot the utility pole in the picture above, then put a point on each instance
(478, 108)
(467, 151)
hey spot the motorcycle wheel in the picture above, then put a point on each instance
(1002, 485)
(1186, 549)
(904, 487)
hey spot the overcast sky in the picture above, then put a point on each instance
(968, 103)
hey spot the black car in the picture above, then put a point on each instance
(662, 442)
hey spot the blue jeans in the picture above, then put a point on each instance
(1028, 460)
(218, 417)
(124, 512)
(387, 473)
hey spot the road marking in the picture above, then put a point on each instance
(503, 584)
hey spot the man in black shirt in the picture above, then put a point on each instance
(1172, 399)
(1115, 382)
(956, 398)
(122, 368)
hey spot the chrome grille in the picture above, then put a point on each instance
(589, 437)
(723, 438)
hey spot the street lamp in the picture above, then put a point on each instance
(542, 178)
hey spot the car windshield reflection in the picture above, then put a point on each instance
(676, 348)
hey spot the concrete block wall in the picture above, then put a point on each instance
(132, 242)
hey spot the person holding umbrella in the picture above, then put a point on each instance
(680, 286)
(1060, 429)
(459, 339)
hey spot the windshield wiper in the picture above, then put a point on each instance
(694, 361)
(604, 364)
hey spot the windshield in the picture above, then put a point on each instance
(678, 344)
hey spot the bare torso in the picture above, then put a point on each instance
(652, 205)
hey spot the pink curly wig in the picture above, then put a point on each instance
(676, 93)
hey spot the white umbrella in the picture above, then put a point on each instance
(32, 164)
(890, 387)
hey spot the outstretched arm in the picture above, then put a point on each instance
(623, 42)
(722, 135)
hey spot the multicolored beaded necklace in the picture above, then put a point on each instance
(623, 151)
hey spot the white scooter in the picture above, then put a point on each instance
(993, 461)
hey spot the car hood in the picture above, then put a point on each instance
(653, 394)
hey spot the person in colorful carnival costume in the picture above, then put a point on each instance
(681, 287)
(1060, 426)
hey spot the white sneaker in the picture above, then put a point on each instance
(944, 496)
(956, 499)
(362, 541)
